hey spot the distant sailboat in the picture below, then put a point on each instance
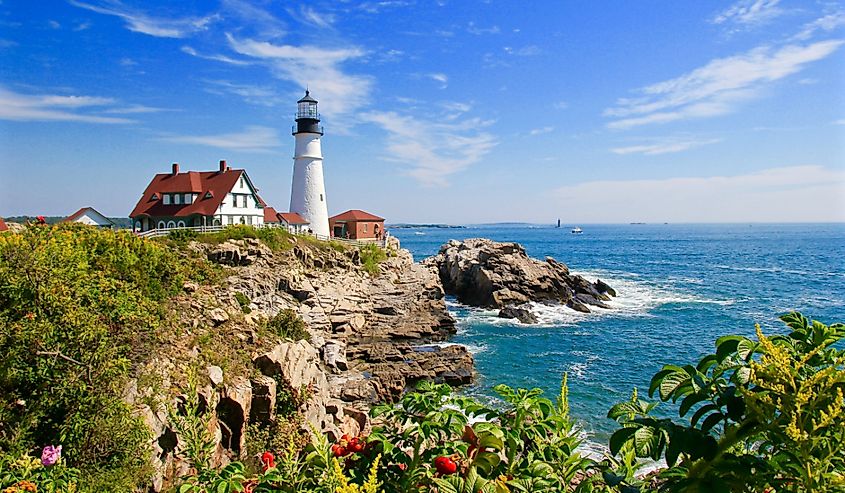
(558, 223)
(577, 231)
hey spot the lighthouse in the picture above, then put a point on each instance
(308, 193)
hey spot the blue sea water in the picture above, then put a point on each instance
(680, 287)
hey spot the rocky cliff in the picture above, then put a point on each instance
(482, 272)
(370, 340)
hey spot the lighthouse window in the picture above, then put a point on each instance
(321, 197)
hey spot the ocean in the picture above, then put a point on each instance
(680, 287)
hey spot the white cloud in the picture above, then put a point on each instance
(253, 138)
(140, 22)
(561, 105)
(749, 12)
(253, 94)
(717, 87)
(799, 194)
(443, 79)
(826, 23)
(529, 50)
(44, 108)
(473, 29)
(314, 18)
(311, 66)
(664, 146)
(136, 109)
(839, 122)
(540, 131)
(431, 151)
(82, 26)
(254, 19)
(218, 58)
(54, 24)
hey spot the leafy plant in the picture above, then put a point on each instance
(287, 325)
(765, 414)
(371, 256)
(243, 301)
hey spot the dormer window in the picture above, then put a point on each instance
(166, 200)
(177, 199)
(188, 199)
(154, 197)
(208, 195)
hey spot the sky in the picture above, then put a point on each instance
(449, 111)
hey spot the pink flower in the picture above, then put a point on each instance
(50, 455)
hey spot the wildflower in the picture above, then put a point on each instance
(268, 460)
(50, 455)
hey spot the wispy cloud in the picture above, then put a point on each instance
(252, 19)
(253, 138)
(443, 79)
(717, 87)
(561, 105)
(530, 50)
(825, 23)
(50, 107)
(541, 130)
(664, 146)
(378, 6)
(340, 93)
(472, 28)
(839, 122)
(775, 193)
(253, 94)
(141, 22)
(216, 57)
(749, 12)
(314, 18)
(431, 151)
(136, 109)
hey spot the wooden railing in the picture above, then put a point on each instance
(157, 233)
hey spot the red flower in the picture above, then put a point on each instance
(268, 460)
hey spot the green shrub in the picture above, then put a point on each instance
(277, 239)
(78, 305)
(243, 301)
(766, 415)
(287, 325)
(371, 256)
(182, 236)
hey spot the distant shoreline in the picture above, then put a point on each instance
(420, 226)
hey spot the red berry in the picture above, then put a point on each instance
(338, 450)
(445, 465)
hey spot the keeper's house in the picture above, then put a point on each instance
(198, 198)
(357, 225)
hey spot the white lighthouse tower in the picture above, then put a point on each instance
(308, 193)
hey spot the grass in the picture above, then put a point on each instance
(371, 256)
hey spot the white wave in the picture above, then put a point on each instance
(472, 348)
(779, 270)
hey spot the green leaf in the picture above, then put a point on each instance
(690, 401)
(672, 382)
(712, 421)
(701, 412)
(619, 438)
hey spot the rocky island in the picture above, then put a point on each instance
(486, 273)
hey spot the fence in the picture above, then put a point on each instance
(157, 233)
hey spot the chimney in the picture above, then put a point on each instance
(175, 168)
(223, 167)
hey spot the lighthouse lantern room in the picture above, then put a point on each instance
(308, 192)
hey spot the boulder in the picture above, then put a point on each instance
(523, 315)
(215, 374)
(486, 273)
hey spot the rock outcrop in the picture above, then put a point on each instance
(522, 314)
(482, 272)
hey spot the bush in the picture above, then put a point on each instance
(371, 256)
(287, 325)
(766, 415)
(182, 236)
(78, 306)
(243, 301)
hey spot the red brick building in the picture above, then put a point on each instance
(357, 225)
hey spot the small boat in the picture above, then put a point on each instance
(418, 233)
(577, 231)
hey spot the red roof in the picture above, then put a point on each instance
(218, 183)
(292, 218)
(355, 215)
(3, 226)
(270, 215)
(80, 212)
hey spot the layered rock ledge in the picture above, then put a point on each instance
(486, 273)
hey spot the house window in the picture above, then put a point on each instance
(161, 225)
(181, 224)
(171, 225)
(365, 227)
(188, 198)
(242, 182)
(177, 198)
(249, 220)
(244, 200)
(166, 198)
(231, 219)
